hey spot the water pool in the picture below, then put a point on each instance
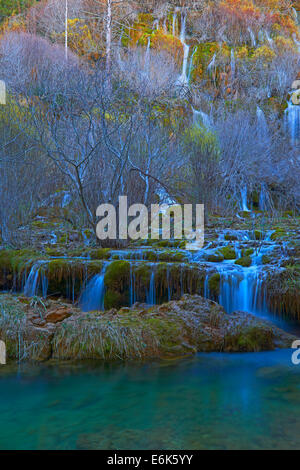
(211, 401)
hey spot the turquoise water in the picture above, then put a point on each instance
(211, 401)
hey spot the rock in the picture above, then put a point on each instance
(58, 315)
(171, 330)
(245, 261)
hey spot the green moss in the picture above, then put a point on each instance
(116, 271)
(251, 340)
(214, 284)
(228, 252)
(258, 234)
(100, 253)
(215, 258)
(245, 261)
(278, 234)
(230, 237)
(113, 299)
(248, 252)
(117, 282)
(51, 251)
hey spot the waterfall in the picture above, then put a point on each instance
(244, 199)
(252, 37)
(92, 297)
(36, 281)
(269, 39)
(211, 65)
(147, 55)
(174, 23)
(241, 289)
(191, 64)
(232, 64)
(150, 295)
(201, 118)
(262, 122)
(292, 121)
(183, 79)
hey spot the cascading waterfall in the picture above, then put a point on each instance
(241, 289)
(151, 294)
(292, 121)
(261, 121)
(36, 281)
(244, 199)
(212, 63)
(183, 79)
(92, 297)
(201, 118)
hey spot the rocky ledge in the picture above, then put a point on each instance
(41, 330)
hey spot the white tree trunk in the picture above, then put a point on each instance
(108, 21)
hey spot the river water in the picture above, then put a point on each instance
(210, 401)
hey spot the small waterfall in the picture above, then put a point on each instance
(269, 39)
(201, 119)
(36, 281)
(150, 295)
(262, 122)
(232, 64)
(212, 63)
(92, 297)
(183, 79)
(244, 199)
(147, 55)
(191, 64)
(292, 121)
(174, 23)
(241, 289)
(252, 37)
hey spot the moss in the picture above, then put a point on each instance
(251, 340)
(113, 299)
(214, 284)
(245, 261)
(258, 235)
(228, 252)
(248, 252)
(266, 259)
(143, 273)
(278, 234)
(230, 237)
(117, 281)
(94, 267)
(215, 258)
(51, 251)
(100, 253)
(116, 271)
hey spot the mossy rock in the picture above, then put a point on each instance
(258, 235)
(101, 253)
(251, 340)
(248, 252)
(265, 259)
(245, 261)
(229, 237)
(214, 284)
(215, 258)
(228, 252)
(117, 282)
(278, 234)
